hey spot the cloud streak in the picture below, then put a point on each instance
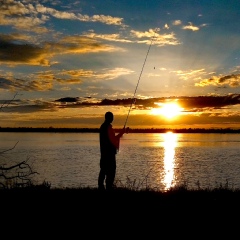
(25, 16)
(195, 104)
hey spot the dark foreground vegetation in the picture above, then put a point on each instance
(178, 199)
(125, 213)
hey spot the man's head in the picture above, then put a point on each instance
(109, 117)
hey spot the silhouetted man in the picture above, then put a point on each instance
(109, 144)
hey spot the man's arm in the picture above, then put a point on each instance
(121, 133)
(115, 139)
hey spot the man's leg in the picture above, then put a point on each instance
(110, 177)
(101, 178)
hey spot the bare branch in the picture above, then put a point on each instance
(16, 175)
(9, 148)
(6, 103)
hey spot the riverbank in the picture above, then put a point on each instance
(131, 130)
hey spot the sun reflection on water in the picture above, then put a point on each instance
(170, 143)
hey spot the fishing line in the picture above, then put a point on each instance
(133, 99)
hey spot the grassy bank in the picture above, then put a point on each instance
(125, 198)
(127, 214)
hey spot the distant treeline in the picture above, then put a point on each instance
(131, 130)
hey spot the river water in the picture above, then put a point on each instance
(145, 160)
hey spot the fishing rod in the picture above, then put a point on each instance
(133, 99)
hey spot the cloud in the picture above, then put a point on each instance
(67, 99)
(152, 36)
(21, 16)
(15, 51)
(26, 106)
(149, 36)
(16, 84)
(46, 80)
(106, 19)
(79, 44)
(188, 103)
(210, 101)
(17, 37)
(112, 73)
(30, 17)
(107, 37)
(78, 73)
(190, 74)
(232, 80)
(55, 13)
(166, 26)
(190, 27)
(79, 76)
(104, 74)
(213, 106)
(177, 22)
(102, 18)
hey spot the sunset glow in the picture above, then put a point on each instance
(168, 110)
(65, 63)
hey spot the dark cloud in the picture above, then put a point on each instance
(67, 99)
(185, 102)
(12, 51)
(18, 106)
(209, 101)
(15, 51)
(188, 103)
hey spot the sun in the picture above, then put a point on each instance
(168, 110)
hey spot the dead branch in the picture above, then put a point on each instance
(16, 175)
(6, 103)
(9, 148)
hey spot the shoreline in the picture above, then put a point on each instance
(131, 130)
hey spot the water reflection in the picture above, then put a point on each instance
(170, 143)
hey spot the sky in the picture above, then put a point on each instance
(153, 63)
